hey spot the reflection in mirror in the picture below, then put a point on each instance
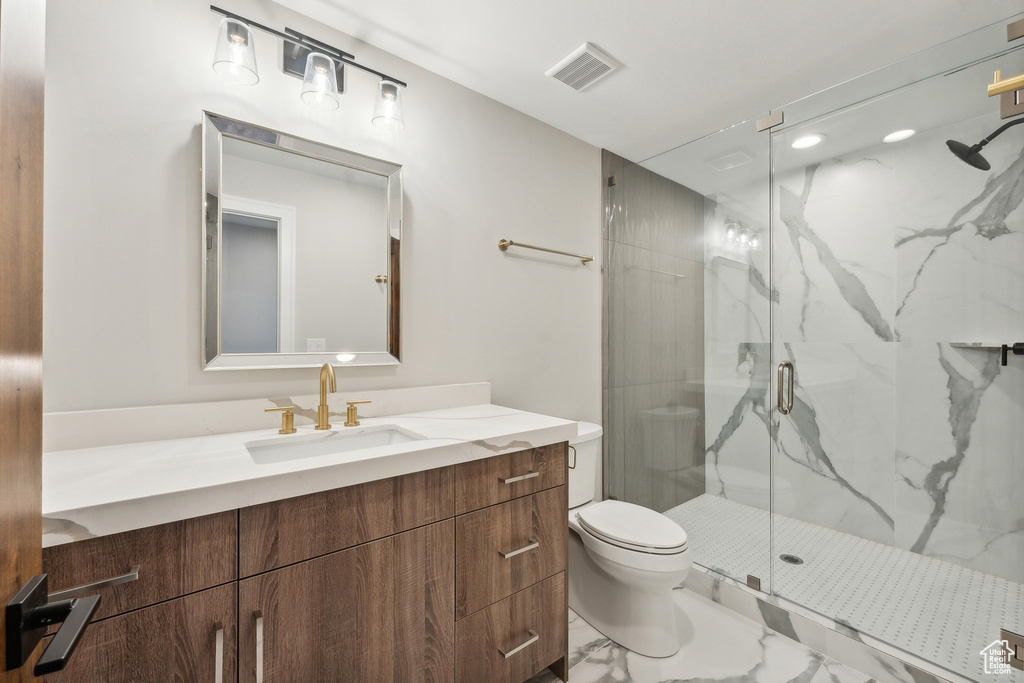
(302, 252)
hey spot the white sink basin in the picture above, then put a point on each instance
(330, 442)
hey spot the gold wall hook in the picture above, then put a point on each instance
(287, 419)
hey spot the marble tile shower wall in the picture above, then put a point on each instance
(884, 260)
(654, 282)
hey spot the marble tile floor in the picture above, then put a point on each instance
(718, 645)
(942, 612)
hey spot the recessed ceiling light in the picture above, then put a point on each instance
(807, 141)
(898, 135)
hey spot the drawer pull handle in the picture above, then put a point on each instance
(534, 543)
(219, 656)
(521, 477)
(522, 646)
(57, 596)
(259, 646)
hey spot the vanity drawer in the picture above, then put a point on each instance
(276, 534)
(174, 559)
(535, 620)
(480, 483)
(505, 548)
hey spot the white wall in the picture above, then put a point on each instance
(126, 85)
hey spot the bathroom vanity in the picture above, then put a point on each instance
(455, 572)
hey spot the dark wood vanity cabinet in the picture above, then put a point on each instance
(183, 640)
(381, 611)
(431, 576)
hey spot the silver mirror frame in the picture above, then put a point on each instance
(214, 129)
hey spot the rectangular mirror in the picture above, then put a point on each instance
(301, 251)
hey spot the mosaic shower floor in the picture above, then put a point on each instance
(937, 610)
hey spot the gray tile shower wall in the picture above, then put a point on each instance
(654, 337)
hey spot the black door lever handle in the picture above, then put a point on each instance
(28, 615)
(77, 612)
(1016, 349)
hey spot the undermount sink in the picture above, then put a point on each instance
(297, 447)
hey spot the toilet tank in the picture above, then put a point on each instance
(583, 477)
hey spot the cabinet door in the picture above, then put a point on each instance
(382, 611)
(187, 640)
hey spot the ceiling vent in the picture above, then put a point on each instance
(585, 66)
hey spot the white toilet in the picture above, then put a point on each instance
(624, 560)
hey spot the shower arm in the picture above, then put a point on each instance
(999, 131)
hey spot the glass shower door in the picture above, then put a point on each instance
(899, 273)
(723, 496)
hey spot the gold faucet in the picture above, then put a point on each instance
(322, 412)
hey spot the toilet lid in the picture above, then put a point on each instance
(632, 526)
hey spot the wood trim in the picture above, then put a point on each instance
(276, 534)
(22, 34)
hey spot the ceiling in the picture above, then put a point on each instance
(690, 66)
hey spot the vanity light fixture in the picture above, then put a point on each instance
(321, 67)
(807, 141)
(899, 135)
(320, 82)
(387, 112)
(235, 58)
(739, 235)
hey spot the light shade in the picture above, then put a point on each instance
(387, 112)
(320, 83)
(235, 58)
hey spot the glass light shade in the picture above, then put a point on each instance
(387, 112)
(320, 83)
(235, 58)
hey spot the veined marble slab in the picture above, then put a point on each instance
(110, 489)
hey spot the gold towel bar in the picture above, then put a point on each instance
(505, 244)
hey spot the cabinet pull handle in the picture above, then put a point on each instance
(259, 645)
(57, 596)
(534, 543)
(218, 675)
(521, 477)
(522, 646)
(573, 449)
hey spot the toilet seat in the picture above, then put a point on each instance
(635, 557)
(633, 527)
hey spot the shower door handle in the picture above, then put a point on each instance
(785, 398)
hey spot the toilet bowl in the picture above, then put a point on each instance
(624, 561)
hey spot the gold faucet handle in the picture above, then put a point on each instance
(287, 419)
(352, 414)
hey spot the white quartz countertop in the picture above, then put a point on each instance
(105, 490)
